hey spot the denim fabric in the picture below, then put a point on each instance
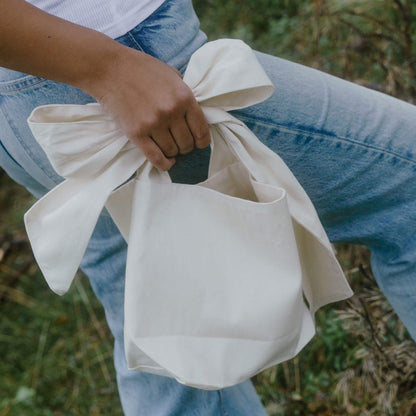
(352, 149)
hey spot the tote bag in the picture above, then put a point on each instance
(214, 283)
(217, 273)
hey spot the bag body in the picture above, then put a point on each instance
(214, 287)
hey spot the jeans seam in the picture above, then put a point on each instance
(24, 146)
(326, 135)
(22, 84)
(222, 404)
(4, 147)
(135, 42)
(14, 131)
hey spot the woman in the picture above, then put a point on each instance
(352, 149)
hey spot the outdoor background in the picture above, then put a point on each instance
(56, 352)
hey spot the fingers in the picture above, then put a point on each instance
(182, 136)
(198, 125)
(154, 154)
(165, 143)
(164, 140)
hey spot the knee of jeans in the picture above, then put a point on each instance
(396, 277)
(397, 265)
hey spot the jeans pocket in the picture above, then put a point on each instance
(14, 81)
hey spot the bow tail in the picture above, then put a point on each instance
(60, 224)
(59, 227)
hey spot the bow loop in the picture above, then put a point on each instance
(226, 74)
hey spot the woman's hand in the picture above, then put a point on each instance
(147, 98)
(152, 105)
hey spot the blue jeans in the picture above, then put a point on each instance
(352, 149)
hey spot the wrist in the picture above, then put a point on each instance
(98, 68)
(106, 68)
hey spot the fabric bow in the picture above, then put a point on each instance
(86, 147)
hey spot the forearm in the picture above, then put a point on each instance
(37, 43)
(147, 98)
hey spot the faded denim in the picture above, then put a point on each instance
(352, 149)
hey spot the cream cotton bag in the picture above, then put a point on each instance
(217, 273)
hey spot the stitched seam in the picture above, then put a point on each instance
(4, 147)
(324, 136)
(20, 86)
(15, 132)
(23, 145)
(222, 404)
(134, 41)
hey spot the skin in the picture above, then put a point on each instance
(153, 107)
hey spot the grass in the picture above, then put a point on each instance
(55, 360)
(56, 351)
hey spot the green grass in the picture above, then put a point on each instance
(56, 351)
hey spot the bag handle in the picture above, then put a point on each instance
(229, 146)
(225, 151)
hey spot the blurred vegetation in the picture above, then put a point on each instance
(56, 351)
(369, 41)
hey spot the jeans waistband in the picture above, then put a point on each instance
(170, 34)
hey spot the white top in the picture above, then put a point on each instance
(111, 17)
